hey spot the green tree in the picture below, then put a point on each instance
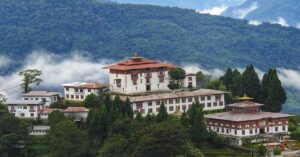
(296, 134)
(139, 117)
(260, 150)
(56, 117)
(227, 79)
(162, 114)
(235, 87)
(66, 140)
(250, 84)
(116, 145)
(36, 146)
(7, 143)
(3, 109)
(30, 76)
(184, 119)
(166, 139)
(272, 94)
(128, 111)
(177, 75)
(202, 79)
(91, 101)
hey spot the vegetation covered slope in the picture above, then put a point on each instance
(108, 30)
(269, 10)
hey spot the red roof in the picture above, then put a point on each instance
(76, 109)
(138, 63)
(243, 104)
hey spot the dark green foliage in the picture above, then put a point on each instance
(216, 84)
(7, 143)
(166, 139)
(36, 146)
(177, 75)
(227, 79)
(184, 119)
(127, 111)
(56, 117)
(215, 140)
(139, 117)
(250, 84)
(293, 124)
(173, 86)
(91, 101)
(116, 145)
(276, 151)
(162, 114)
(3, 109)
(236, 82)
(272, 93)
(65, 140)
(260, 150)
(106, 30)
(296, 134)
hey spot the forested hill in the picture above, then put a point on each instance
(110, 30)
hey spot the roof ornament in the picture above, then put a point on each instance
(245, 98)
(136, 57)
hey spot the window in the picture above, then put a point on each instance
(157, 85)
(208, 97)
(31, 108)
(171, 108)
(256, 131)
(251, 131)
(190, 99)
(77, 96)
(183, 100)
(149, 103)
(157, 102)
(170, 101)
(190, 78)
(89, 90)
(67, 96)
(67, 89)
(243, 132)
(222, 130)
(227, 131)
(81, 97)
(202, 98)
(36, 98)
(215, 104)
(31, 114)
(118, 82)
(81, 90)
(22, 114)
(235, 131)
(139, 105)
(177, 101)
(141, 74)
(221, 103)
(141, 81)
(150, 110)
(209, 104)
(25, 107)
(161, 80)
(218, 97)
(76, 90)
(183, 107)
(283, 128)
(276, 129)
(157, 109)
(25, 98)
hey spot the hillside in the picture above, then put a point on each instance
(268, 10)
(117, 30)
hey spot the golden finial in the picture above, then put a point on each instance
(245, 98)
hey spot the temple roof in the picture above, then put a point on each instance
(136, 63)
(237, 117)
(243, 104)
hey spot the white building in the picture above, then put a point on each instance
(247, 121)
(139, 75)
(177, 102)
(39, 130)
(45, 96)
(46, 111)
(77, 91)
(25, 108)
(78, 113)
(190, 81)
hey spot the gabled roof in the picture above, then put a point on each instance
(84, 85)
(24, 102)
(40, 94)
(243, 104)
(136, 63)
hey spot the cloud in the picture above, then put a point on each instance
(55, 71)
(218, 10)
(281, 21)
(242, 13)
(298, 25)
(5, 61)
(194, 68)
(254, 22)
(289, 78)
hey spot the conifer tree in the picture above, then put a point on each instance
(236, 83)
(128, 112)
(250, 84)
(162, 114)
(227, 78)
(272, 93)
(139, 117)
(184, 119)
(108, 102)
